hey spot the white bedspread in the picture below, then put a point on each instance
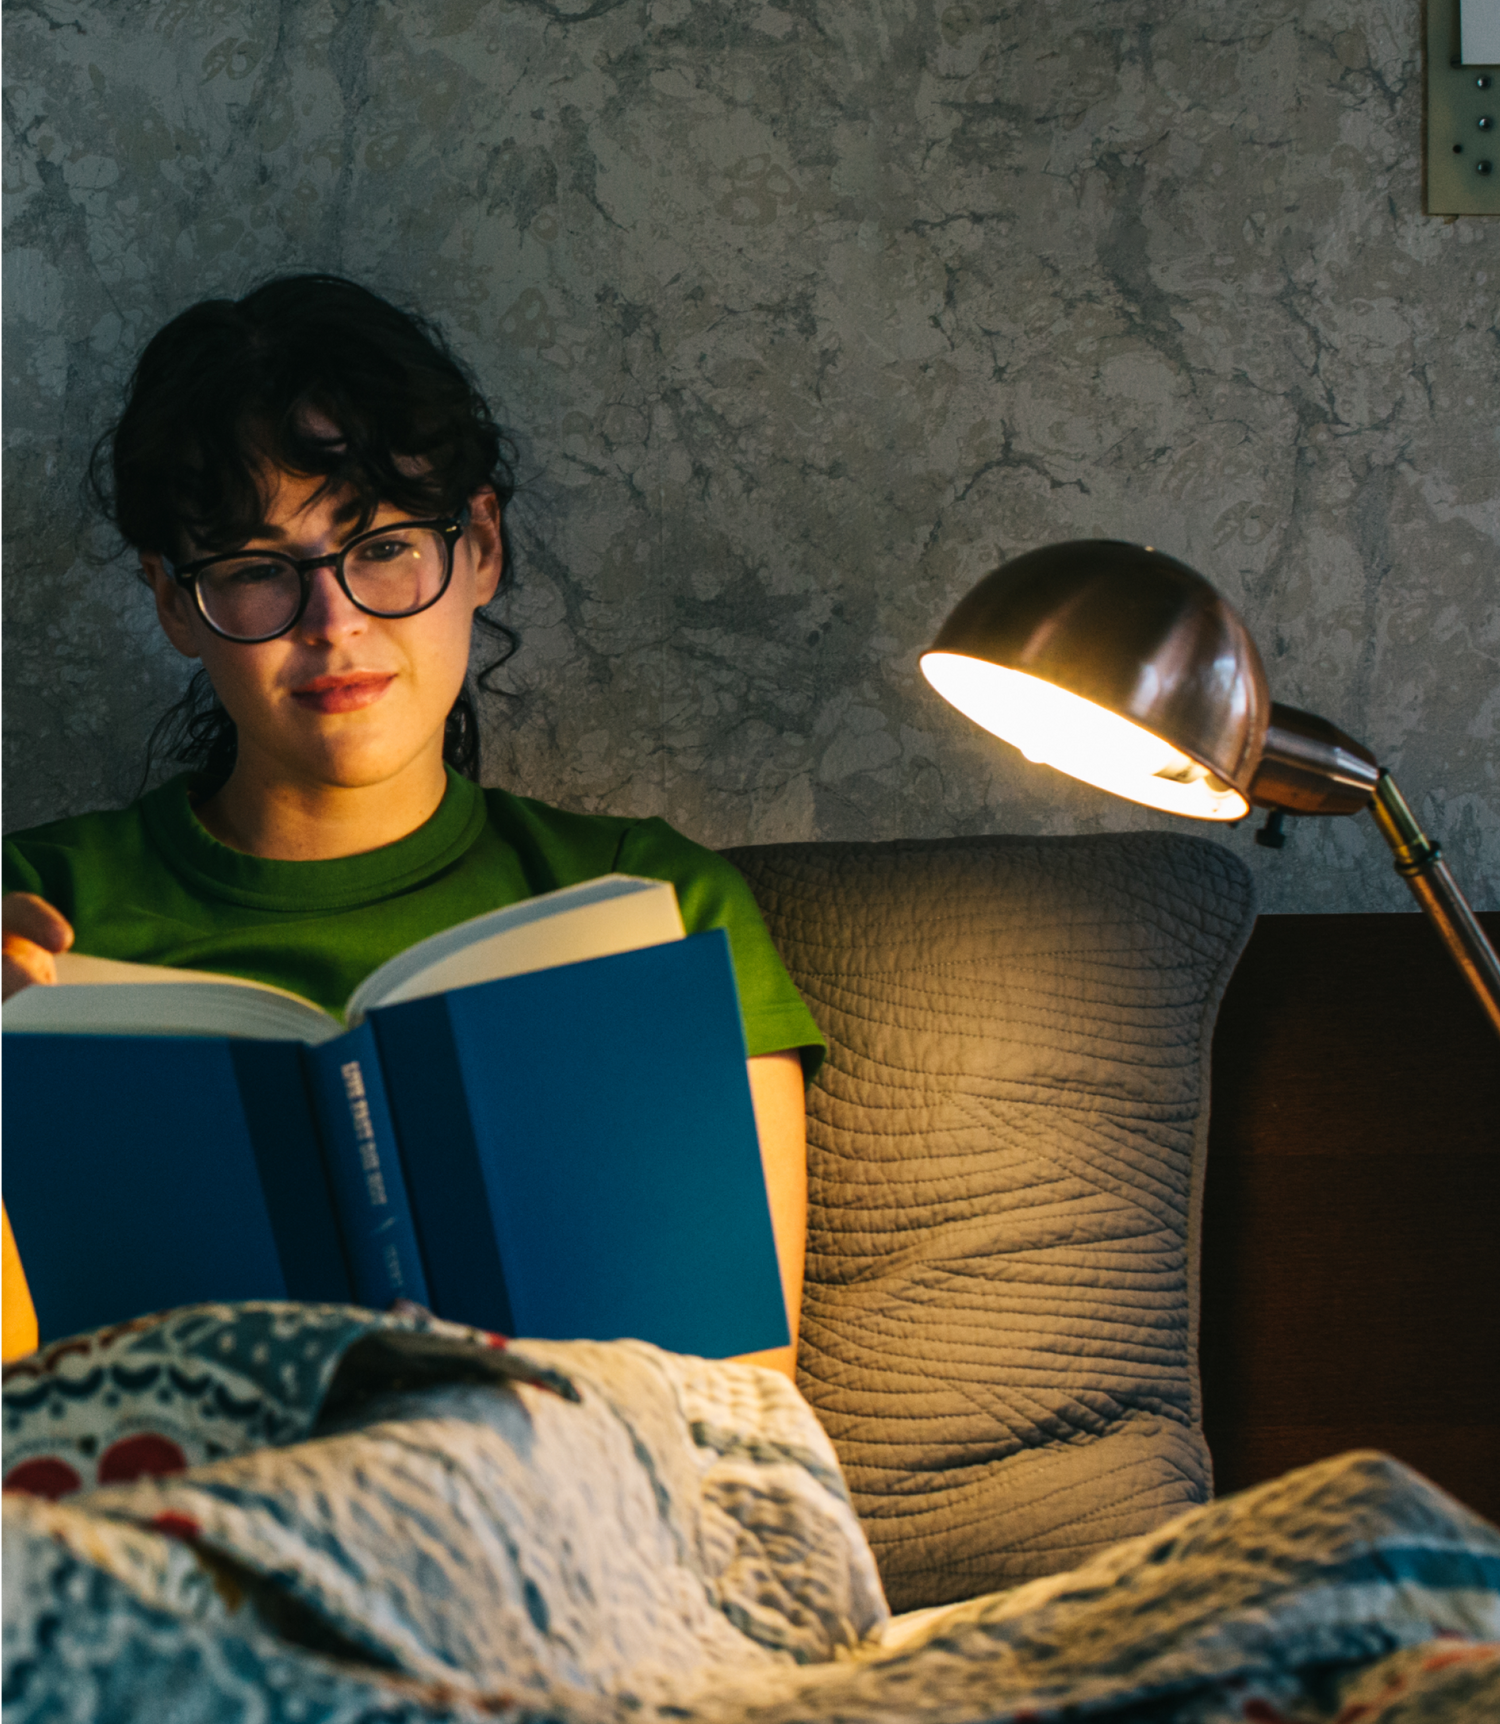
(674, 1541)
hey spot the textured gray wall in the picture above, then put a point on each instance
(805, 315)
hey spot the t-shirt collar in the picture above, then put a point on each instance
(344, 883)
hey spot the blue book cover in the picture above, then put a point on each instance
(581, 1154)
(569, 1152)
(144, 1172)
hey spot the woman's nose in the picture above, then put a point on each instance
(330, 612)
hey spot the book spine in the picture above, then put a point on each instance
(364, 1170)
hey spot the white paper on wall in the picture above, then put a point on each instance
(1479, 32)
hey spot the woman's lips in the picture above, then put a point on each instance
(343, 693)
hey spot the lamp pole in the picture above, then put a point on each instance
(1309, 766)
(1420, 864)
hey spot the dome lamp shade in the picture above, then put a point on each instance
(1115, 664)
(1122, 667)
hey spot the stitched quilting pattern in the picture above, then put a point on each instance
(1005, 1156)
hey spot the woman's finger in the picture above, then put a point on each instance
(24, 963)
(33, 919)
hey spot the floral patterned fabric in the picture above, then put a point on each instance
(163, 1393)
(279, 1512)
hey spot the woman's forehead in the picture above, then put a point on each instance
(305, 507)
(302, 500)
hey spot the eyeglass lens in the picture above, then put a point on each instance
(255, 596)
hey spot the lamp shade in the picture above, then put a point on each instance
(1116, 664)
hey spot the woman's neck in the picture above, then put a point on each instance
(262, 815)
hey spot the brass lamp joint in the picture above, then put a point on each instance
(1308, 766)
(1414, 851)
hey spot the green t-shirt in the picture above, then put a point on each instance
(149, 884)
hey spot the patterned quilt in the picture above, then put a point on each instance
(311, 1513)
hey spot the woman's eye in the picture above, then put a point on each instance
(250, 574)
(383, 550)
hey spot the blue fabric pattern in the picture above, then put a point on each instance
(212, 1381)
(409, 1521)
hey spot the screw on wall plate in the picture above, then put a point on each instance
(1462, 113)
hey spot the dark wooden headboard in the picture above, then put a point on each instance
(1351, 1238)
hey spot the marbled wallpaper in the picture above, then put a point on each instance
(802, 317)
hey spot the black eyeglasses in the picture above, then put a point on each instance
(392, 571)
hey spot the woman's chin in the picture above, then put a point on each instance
(366, 770)
(348, 761)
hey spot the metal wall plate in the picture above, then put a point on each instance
(1463, 151)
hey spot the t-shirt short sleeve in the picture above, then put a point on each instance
(711, 893)
(19, 873)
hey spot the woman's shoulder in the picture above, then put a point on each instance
(76, 855)
(577, 846)
(565, 848)
(99, 831)
(565, 825)
(561, 848)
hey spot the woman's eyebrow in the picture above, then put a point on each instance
(347, 517)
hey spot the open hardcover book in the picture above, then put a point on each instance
(538, 1122)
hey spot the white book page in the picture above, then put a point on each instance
(615, 913)
(101, 996)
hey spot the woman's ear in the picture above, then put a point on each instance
(174, 606)
(484, 540)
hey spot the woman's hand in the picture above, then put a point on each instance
(33, 935)
(777, 1091)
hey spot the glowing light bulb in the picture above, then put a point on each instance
(1053, 727)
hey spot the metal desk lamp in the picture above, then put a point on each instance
(1123, 667)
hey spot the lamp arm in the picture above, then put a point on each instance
(1420, 863)
(1307, 766)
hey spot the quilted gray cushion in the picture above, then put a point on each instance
(1005, 1163)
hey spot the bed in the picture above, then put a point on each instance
(992, 1499)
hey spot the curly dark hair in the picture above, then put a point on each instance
(230, 386)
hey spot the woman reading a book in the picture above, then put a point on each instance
(316, 493)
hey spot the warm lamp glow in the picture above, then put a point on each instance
(1052, 727)
(1124, 668)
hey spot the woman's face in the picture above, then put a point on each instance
(343, 699)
